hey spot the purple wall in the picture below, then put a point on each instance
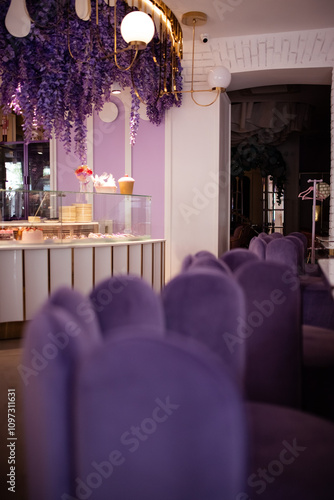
(109, 143)
(148, 170)
(148, 161)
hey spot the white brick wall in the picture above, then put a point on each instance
(313, 48)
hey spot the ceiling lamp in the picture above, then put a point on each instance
(116, 88)
(17, 19)
(137, 29)
(219, 78)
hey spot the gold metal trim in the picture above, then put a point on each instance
(194, 17)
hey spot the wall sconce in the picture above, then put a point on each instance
(219, 78)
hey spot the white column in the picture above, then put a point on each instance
(192, 188)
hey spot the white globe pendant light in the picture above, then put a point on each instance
(17, 19)
(137, 28)
(83, 9)
(219, 77)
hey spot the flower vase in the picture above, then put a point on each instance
(84, 186)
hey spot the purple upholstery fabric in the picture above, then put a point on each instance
(238, 256)
(205, 253)
(300, 252)
(259, 247)
(317, 304)
(156, 421)
(277, 235)
(187, 261)
(283, 251)
(271, 334)
(53, 341)
(318, 371)
(318, 346)
(207, 261)
(303, 239)
(209, 306)
(291, 455)
(126, 300)
(263, 236)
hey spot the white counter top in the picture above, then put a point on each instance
(74, 243)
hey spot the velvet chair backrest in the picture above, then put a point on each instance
(207, 305)
(238, 256)
(300, 251)
(53, 342)
(271, 333)
(154, 420)
(264, 236)
(283, 251)
(258, 246)
(186, 262)
(126, 300)
(208, 262)
(205, 253)
(277, 235)
(302, 237)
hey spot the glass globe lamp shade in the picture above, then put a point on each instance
(219, 77)
(137, 27)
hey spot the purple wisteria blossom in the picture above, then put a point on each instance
(57, 74)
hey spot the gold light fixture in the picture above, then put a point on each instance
(219, 78)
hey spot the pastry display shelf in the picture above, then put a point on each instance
(88, 237)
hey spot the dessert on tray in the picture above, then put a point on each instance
(104, 183)
(32, 235)
(6, 234)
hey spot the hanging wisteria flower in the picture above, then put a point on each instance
(64, 69)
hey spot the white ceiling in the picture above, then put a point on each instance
(227, 18)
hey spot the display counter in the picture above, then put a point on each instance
(75, 254)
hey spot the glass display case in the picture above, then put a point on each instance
(44, 217)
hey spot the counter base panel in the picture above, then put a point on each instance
(29, 276)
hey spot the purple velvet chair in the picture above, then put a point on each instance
(126, 300)
(209, 306)
(300, 252)
(277, 235)
(238, 256)
(53, 342)
(205, 253)
(283, 251)
(303, 239)
(187, 261)
(318, 371)
(271, 334)
(207, 261)
(264, 236)
(258, 246)
(157, 419)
